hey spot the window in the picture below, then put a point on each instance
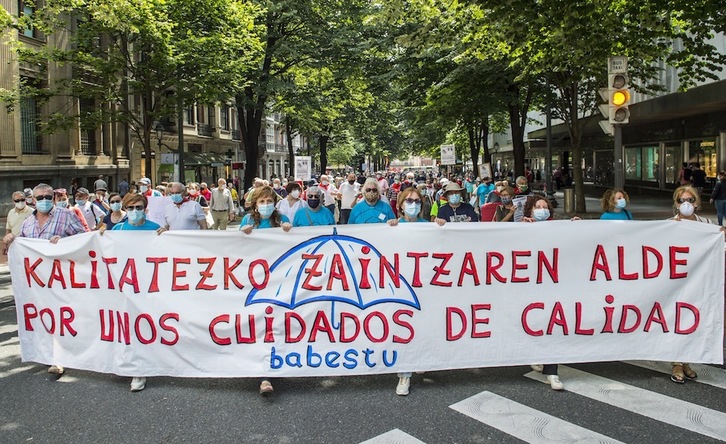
(633, 163)
(189, 116)
(673, 161)
(651, 164)
(704, 152)
(27, 10)
(88, 131)
(224, 117)
(210, 115)
(30, 138)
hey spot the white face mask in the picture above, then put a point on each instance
(19, 205)
(143, 188)
(686, 209)
(295, 194)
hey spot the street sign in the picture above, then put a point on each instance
(617, 65)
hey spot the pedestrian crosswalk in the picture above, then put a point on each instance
(531, 425)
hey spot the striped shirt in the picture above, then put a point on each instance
(62, 223)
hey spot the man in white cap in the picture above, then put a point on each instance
(145, 188)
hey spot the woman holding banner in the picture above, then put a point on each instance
(263, 214)
(685, 202)
(538, 209)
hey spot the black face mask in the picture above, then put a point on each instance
(313, 203)
(351, 182)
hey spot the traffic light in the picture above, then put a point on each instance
(618, 98)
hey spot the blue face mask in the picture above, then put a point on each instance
(81, 202)
(620, 203)
(176, 198)
(412, 209)
(541, 214)
(455, 199)
(62, 204)
(44, 206)
(135, 216)
(266, 210)
(115, 206)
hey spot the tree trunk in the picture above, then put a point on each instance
(518, 108)
(290, 149)
(474, 145)
(324, 152)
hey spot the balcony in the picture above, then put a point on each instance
(205, 130)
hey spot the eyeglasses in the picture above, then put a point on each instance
(687, 199)
(135, 207)
(44, 197)
(116, 201)
(19, 200)
(313, 195)
(412, 201)
(371, 190)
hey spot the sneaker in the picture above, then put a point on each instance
(138, 384)
(555, 382)
(265, 387)
(537, 367)
(56, 369)
(404, 383)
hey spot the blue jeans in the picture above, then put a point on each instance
(720, 210)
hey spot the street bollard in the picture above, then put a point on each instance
(569, 200)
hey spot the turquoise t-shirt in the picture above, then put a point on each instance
(612, 215)
(305, 217)
(264, 223)
(420, 219)
(362, 213)
(147, 225)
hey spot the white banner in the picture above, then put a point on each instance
(371, 299)
(303, 168)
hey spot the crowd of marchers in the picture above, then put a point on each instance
(388, 198)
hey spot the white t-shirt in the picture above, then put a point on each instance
(92, 213)
(348, 194)
(329, 193)
(283, 206)
(183, 217)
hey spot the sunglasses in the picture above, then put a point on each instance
(689, 199)
(313, 195)
(135, 207)
(115, 201)
(371, 190)
(19, 200)
(412, 201)
(44, 197)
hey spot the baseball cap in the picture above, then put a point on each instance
(145, 181)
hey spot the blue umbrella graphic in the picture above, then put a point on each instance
(290, 293)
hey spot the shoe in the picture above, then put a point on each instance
(555, 382)
(537, 367)
(265, 387)
(677, 374)
(138, 384)
(688, 372)
(404, 383)
(56, 370)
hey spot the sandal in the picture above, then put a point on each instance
(688, 371)
(265, 387)
(677, 374)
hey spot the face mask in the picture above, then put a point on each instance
(686, 209)
(455, 199)
(295, 194)
(143, 188)
(411, 209)
(44, 206)
(620, 203)
(135, 216)
(81, 202)
(116, 206)
(19, 205)
(499, 189)
(371, 195)
(62, 204)
(523, 188)
(193, 192)
(541, 214)
(177, 198)
(29, 201)
(506, 200)
(276, 186)
(313, 203)
(351, 182)
(325, 182)
(266, 210)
